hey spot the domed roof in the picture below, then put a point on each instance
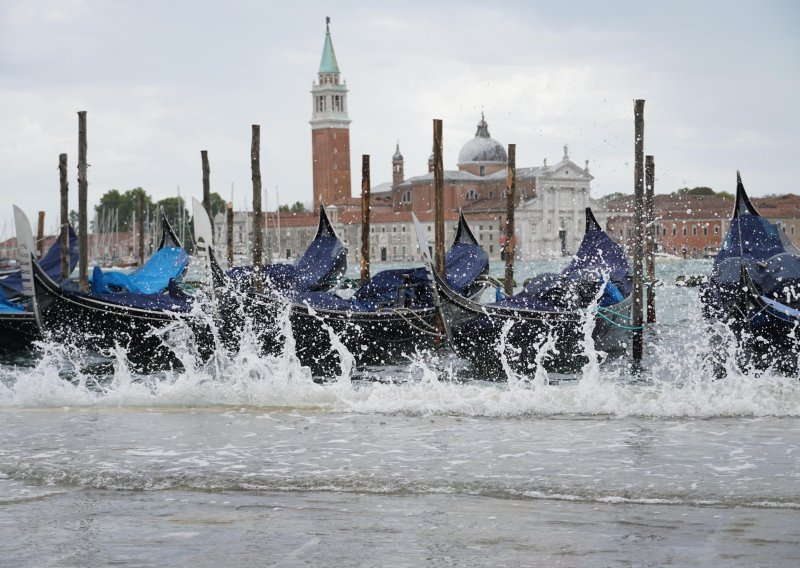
(398, 157)
(482, 148)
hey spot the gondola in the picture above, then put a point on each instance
(100, 321)
(18, 329)
(256, 309)
(389, 318)
(754, 289)
(552, 307)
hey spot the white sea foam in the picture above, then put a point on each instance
(675, 381)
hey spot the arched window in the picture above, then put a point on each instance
(472, 195)
(406, 197)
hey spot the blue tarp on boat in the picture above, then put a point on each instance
(151, 278)
(11, 284)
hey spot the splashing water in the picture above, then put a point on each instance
(677, 379)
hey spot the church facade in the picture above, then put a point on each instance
(550, 208)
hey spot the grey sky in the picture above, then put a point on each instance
(163, 80)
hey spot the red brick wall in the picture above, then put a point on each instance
(330, 149)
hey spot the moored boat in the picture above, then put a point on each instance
(389, 318)
(754, 288)
(550, 313)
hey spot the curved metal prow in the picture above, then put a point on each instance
(591, 221)
(743, 205)
(168, 236)
(464, 234)
(324, 228)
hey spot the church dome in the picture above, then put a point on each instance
(483, 148)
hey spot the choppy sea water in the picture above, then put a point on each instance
(250, 461)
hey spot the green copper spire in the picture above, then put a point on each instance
(328, 63)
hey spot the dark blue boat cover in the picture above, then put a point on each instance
(772, 262)
(173, 300)
(321, 265)
(463, 264)
(407, 287)
(11, 284)
(150, 278)
(599, 259)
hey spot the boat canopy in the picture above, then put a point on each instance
(11, 284)
(771, 260)
(599, 260)
(151, 278)
(322, 264)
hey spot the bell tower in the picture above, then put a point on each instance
(330, 130)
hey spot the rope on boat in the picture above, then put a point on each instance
(601, 312)
(402, 314)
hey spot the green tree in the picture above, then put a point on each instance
(218, 204)
(120, 206)
(296, 207)
(699, 190)
(172, 208)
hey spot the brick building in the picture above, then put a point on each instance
(694, 225)
(550, 199)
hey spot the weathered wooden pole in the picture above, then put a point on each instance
(650, 221)
(511, 190)
(206, 186)
(40, 235)
(438, 196)
(64, 235)
(140, 228)
(258, 239)
(638, 221)
(365, 193)
(83, 221)
(229, 233)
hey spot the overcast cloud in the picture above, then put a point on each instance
(163, 80)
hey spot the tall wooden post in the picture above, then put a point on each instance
(650, 255)
(140, 228)
(40, 235)
(206, 186)
(365, 195)
(438, 196)
(83, 221)
(258, 239)
(64, 235)
(229, 234)
(638, 239)
(511, 190)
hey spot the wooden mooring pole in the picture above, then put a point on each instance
(650, 222)
(229, 234)
(438, 196)
(206, 185)
(83, 221)
(40, 235)
(638, 238)
(258, 239)
(64, 235)
(140, 228)
(365, 196)
(511, 191)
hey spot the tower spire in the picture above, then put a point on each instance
(328, 64)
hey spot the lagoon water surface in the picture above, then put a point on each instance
(250, 461)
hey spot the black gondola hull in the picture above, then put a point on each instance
(488, 336)
(18, 330)
(90, 323)
(372, 338)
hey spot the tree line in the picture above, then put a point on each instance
(122, 206)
